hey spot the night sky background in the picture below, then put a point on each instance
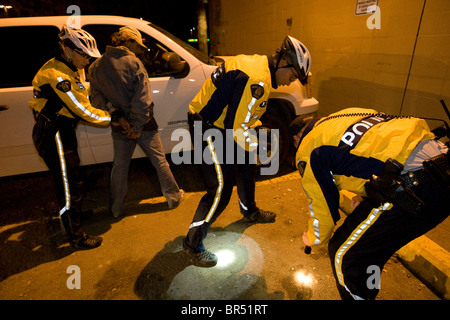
(176, 16)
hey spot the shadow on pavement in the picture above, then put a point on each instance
(30, 234)
(170, 275)
(29, 244)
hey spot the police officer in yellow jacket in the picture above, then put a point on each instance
(384, 160)
(60, 101)
(228, 105)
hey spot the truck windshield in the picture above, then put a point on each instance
(199, 55)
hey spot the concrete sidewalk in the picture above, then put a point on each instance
(430, 262)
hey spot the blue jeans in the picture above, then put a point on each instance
(150, 142)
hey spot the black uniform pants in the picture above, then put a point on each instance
(224, 164)
(56, 143)
(370, 235)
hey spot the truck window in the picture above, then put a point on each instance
(154, 59)
(26, 49)
(102, 34)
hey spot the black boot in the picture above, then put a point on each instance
(70, 224)
(260, 216)
(86, 242)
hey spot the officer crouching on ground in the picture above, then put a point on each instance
(398, 168)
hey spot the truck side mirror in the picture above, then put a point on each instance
(172, 62)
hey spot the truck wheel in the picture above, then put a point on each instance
(272, 142)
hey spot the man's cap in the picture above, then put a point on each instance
(132, 33)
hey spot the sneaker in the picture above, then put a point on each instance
(86, 242)
(172, 204)
(260, 216)
(117, 214)
(203, 258)
(117, 208)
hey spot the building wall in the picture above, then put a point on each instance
(400, 68)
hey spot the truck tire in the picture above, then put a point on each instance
(280, 143)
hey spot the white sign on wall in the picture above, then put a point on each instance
(363, 5)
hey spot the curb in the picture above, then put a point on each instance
(429, 262)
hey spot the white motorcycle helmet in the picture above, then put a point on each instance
(299, 56)
(79, 39)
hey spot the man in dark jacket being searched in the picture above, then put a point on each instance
(120, 81)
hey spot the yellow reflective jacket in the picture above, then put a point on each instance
(342, 151)
(235, 96)
(61, 86)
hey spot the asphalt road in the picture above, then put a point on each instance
(140, 257)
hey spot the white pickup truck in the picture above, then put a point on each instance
(176, 70)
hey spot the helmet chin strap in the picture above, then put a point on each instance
(66, 56)
(280, 55)
(70, 59)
